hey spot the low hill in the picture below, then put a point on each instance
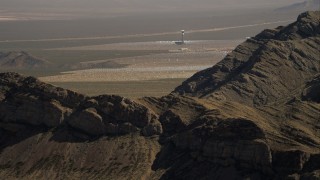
(254, 115)
(21, 60)
(108, 64)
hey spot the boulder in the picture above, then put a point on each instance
(88, 121)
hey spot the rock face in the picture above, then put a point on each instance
(21, 60)
(29, 101)
(88, 121)
(254, 115)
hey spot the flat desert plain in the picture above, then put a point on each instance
(154, 75)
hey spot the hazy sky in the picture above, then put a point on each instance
(130, 6)
(88, 18)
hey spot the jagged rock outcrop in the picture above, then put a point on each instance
(27, 100)
(254, 115)
(88, 121)
(228, 134)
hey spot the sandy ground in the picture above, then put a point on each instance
(126, 74)
(7, 18)
(151, 67)
(200, 46)
(149, 75)
(131, 89)
(181, 61)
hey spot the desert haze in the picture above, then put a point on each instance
(149, 89)
(118, 7)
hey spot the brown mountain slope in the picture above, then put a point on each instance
(241, 119)
(21, 60)
(265, 68)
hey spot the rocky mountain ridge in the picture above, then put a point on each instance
(265, 67)
(254, 115)
(36, 97)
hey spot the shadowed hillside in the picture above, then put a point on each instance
(254, 115)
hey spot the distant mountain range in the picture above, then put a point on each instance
(302, 6)
(130, 6)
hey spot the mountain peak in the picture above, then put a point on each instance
(306, 25)
(264, 68)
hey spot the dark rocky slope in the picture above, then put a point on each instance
(254, 115)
